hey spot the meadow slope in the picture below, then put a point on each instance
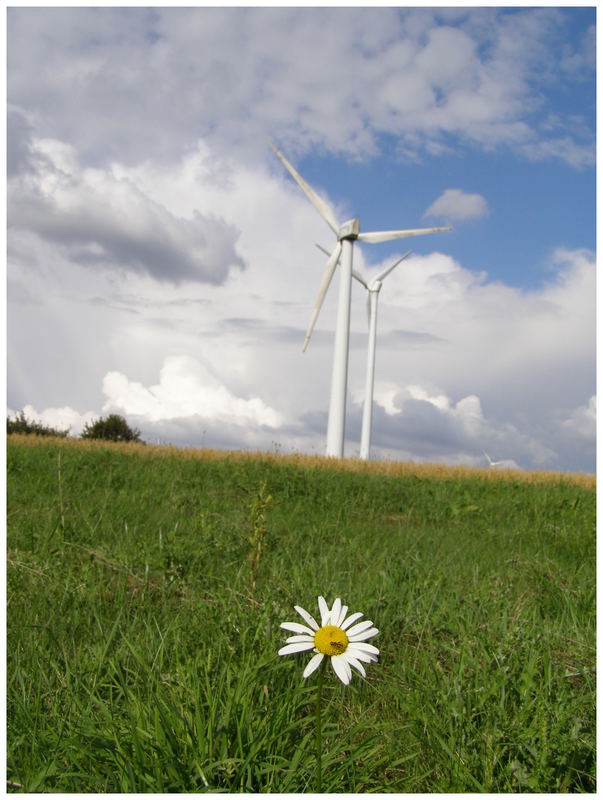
(145, 587)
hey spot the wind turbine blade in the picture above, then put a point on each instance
(355, 274)
(368, 308)
(359, 278)
(385, 236)
(324, 285)
(323, 208)
(384, 273)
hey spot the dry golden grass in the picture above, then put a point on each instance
(391, 468)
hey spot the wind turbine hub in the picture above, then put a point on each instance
(349, 229)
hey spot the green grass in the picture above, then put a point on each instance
(141, 658)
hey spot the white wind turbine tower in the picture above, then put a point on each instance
(373, 288)
(347, 233)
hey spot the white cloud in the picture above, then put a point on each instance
(186, 388)
(60, 419)
(525, 355)
(455, 204)
(420, 425)
(582, 422)
(463, 363)
(581, 58)
(312, 76)
(99, 217)
(123, 252)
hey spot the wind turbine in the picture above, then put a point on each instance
(505, 463)
(346, 234)
(373, 288)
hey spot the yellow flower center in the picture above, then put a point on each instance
(331, 640)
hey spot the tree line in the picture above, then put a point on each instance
(113, 428)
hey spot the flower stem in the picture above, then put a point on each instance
(321, 674)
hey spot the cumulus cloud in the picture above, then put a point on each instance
(60, 419)
(455, 204)
(99, 217)
(582, 422)
(477, 365)
(430, 426)
(497, 368)
(104, 204)
(186, 388)
(431, 79)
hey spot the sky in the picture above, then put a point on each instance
(161, 262)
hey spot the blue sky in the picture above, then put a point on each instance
(161, 262)
(527, 199)
(532, 207)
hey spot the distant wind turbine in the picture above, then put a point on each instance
(346, 234)
(505, 463)
(373, 288)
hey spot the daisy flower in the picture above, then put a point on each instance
(337, 637)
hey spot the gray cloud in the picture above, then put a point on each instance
(459, 434)
(18, 136)
(259, 331)
(409, 338)
(497, 369)
(98, 218)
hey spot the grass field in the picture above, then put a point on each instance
(145, 588)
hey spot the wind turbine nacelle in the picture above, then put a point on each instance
(349, 229)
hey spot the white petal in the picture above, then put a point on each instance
(297, 627)
(308, 617)
(342, 669)
(363, 635)
(352, 618)
(366, 623)
(353, 662)
(365, 647)
(300, 637)
(335, 611)
(344, 611)
(360, 655)
(313, 664)
(324, 611)
(298, 647)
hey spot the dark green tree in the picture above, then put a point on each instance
(20, 424)
(114, 428)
